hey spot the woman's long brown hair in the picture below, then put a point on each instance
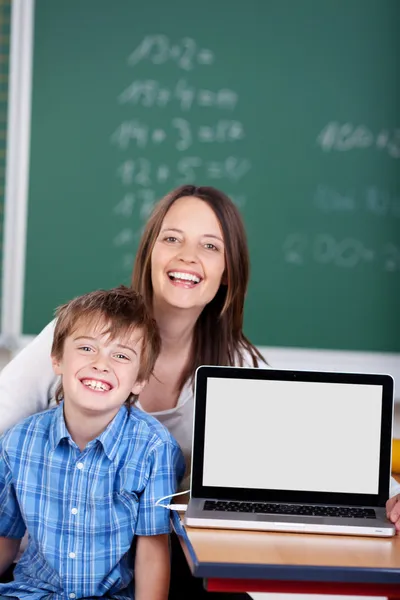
(218, 337)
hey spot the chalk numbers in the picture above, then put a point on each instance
(158, 49)
(164, 126)
(345, 253)
(344, 137)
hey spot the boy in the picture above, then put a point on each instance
(83, 477)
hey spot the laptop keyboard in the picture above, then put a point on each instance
(290, 509)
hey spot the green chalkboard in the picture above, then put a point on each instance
(292, 108)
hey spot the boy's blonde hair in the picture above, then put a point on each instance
(120, 310)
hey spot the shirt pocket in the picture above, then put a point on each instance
(113, 517)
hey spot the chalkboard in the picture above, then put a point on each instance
(292, 108)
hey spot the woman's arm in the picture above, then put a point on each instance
(27, 383)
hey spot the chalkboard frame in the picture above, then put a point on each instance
(17, 172)
(16, 204)
(5, 27)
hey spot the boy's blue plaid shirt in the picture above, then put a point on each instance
(83, 509)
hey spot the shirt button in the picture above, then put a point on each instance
(72, 555)
(79, 466)
(72, 595)
(74, 511)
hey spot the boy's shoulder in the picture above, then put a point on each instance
(37, 424)
(149, 427)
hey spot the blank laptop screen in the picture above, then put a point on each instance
(285, 435)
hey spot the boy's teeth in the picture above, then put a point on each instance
(184, 276)
(96, 385)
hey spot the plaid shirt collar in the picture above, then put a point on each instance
(110, 438)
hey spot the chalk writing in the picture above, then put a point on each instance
(370, 199)
(172, 133)
(151, 93)
(138, 134)
(347, 253)
(125, 207)
(123, 238)
(392, 258)
(159, 49)
(381, 202)
(141, 172)
(346, 136)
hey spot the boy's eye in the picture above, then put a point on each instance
(85, 348)
(121, 356)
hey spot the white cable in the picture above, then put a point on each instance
(179, 507)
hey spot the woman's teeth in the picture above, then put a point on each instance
(177, 275)
(96, 385)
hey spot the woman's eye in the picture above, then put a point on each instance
(171, 239)
(210, 246)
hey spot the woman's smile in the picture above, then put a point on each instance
(187, 279)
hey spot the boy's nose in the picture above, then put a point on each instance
(101, 366)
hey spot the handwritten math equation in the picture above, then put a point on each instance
(344, 137)
(186, 53)
(137, 134)
(346, 253)
(150, 93)
(377, 207)
(166, 135)
(370, 199)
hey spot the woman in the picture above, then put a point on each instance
(192, 268)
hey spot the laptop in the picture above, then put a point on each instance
(296, 451)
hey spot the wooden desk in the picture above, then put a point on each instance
(240, 561)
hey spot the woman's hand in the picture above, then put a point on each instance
(393, 511)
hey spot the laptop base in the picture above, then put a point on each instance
(196, 517)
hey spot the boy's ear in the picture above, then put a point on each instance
(56, 365)
(138, 387)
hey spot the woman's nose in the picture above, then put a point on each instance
(187, 254)
(187, 259)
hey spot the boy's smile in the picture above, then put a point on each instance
(99, 373)
(98, 386)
